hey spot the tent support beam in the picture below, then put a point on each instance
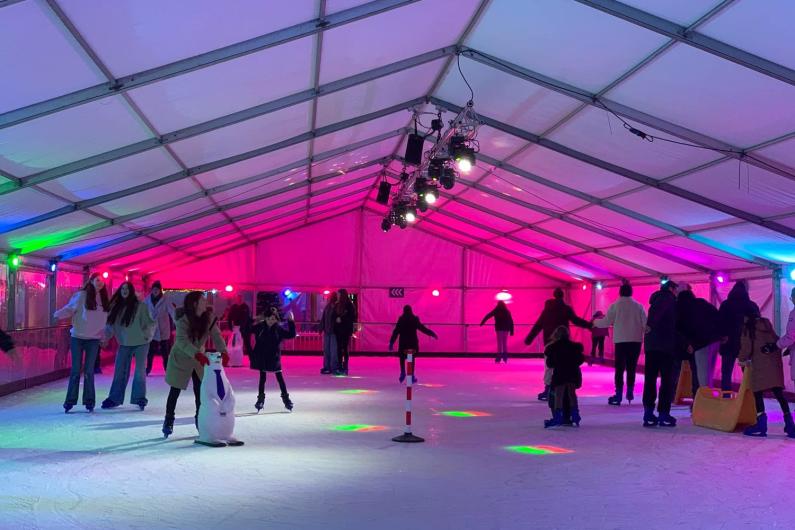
(777, 324)
(694, 39)
(233, 51)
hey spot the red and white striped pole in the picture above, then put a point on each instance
(407, 436)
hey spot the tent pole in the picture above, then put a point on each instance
(777, 301)
(464, 258)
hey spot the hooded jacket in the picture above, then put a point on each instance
(406, 328)
(696, 321)
(732, 314)
(556, 313)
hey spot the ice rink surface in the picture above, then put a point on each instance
(330, 464)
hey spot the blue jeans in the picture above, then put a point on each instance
(329, 351)
(91, 348)
(121, 375)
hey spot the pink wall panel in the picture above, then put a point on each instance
(484, 271)
(236, 268)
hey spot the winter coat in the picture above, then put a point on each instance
(697, 323)
(406, 328)
(503, 321)
(6, 342)
(345, 312)
(162, 313)
(564, 357)
(598, 331)
(182, 359)
(267, 354)
(767, 369)
(628, 318)
(731, 315)
(788, 341)
(556, 313)
(86, 324)
(327, 319)
(661, 336)
(139, 331)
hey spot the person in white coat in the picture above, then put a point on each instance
(787, 341)
(628, 318)
(163, 313)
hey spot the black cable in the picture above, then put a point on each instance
(471, 92)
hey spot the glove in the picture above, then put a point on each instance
(225, 359)
(201, 358)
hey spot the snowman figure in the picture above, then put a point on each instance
(217, 411)
(234, 347)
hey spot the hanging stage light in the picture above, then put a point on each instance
(436, 168)
(447, 180)
(431, 194)
(386, 224)
(14, 261)
(463, 154)
(411, 214)
(414, 147)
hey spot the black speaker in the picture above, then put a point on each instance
(414, 149)
(384, 188)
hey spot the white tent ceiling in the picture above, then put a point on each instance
(136, 130)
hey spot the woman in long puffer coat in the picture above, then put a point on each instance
(267, 354)
(758, 350)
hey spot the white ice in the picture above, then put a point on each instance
(113, 469)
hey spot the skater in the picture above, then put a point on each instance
(758, 350)
(556, 313)
(163, 314)
(564, 358)
(88, 309)
(239, 315)
(731, 316)
(267, 354)
(503, 325)
(329, 339)
(7, 344)
(343, 330)
(628, 319)
(406, 328)
(131, 323)
(598, 335)
(697, 325)
(660, 349)
(187, 359)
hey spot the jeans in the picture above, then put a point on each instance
(658, 364)
(705, 364)
(727, 361)
(329, 351)
(598, 342)
(173, 395)
(121, 375)
(627, 354)
(91, 349)
(157, 347)
(502, 345)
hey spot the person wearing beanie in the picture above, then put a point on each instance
(556, 313)
(162, 313)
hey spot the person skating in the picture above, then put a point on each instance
(267, 354)
(731, 317)
(239, 315)
(503, 326)
(406, 330)
(88, 310)
(660, 349)
(344, 324)
(628, 318)
(163, 314)
(186, 361)
(697, 323)
(598, 336)
(130, 321)
(564, 357)
(556, 313)
(329, 339)
(758, 349)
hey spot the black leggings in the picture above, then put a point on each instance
(402, 355)
(279, 377)
(598, 342)
(778, 393)
(343, 342)
(173, 395)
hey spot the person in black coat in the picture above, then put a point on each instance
(556, 313)
(406, 328)
(564, 357)
(343, 330)
(503, 325)
(239, 314)
(697, 326)
(7, 343)
(661, 343)
(731, 317)
(267, 354)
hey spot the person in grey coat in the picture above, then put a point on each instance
(162, 313)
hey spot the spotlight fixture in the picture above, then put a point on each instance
(53, 266)
(463, 154)
(720, 278)
(229, 288)
(431, 194)
(792, 275)
(105, 275)
(411, 214)
(503, 296)
(14, 261)
(599, 286)
(436, 168)
(447, 180)
(664, 280)
(386, 224)
(435, 292)
(214, 291)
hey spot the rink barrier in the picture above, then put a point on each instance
(408, 436)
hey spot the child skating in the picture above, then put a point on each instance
(267, 354)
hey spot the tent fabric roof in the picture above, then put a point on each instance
(131, 130)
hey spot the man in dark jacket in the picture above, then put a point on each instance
(406, 328)
(697, 326)
(556, 313)
(661, 341)
(731, 316)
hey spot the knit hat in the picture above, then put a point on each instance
(157, 285)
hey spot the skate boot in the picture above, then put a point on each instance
(759, 429)
(649, 419)
(286, 400)
(67, 407)
(260, 402)
(666, 420)
(630, 396)
(90, 407)
(614, 400)
(557, 419)
(575, 417)
(544, 396)
(109, 404)
(789, 425)
(168, 427)
(402, 377)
